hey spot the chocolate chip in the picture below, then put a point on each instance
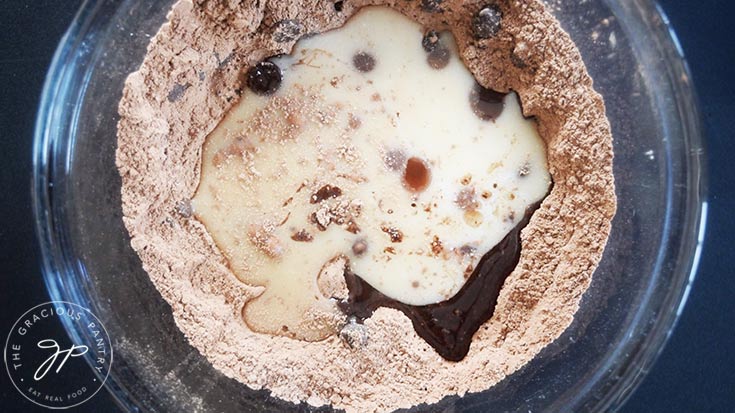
(364, 62)
(339, 6)
(438, 54)
(264, 78)
(325, 192)
(359, 247)
(486, 103)
(486, 23)
(438, 58)
(430, 41)
(287, 30)
(432, 6)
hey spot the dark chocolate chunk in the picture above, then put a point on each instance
(486, 23)
(264, 78)
(432, 6)
(287, 30)
(325, 192)
(486, 103)
(430, 41)
(364, 62)
(439, 57)
(339, 6)
(448, 326)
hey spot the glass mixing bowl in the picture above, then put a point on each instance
(636, 295)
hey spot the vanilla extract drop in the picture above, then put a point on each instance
(417, 175)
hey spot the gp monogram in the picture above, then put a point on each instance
(49, 368)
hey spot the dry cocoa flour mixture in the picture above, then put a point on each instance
(196, 70)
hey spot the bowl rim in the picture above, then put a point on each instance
(53, 125)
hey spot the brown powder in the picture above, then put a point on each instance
(193, 73)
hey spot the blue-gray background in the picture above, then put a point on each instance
(695, 371)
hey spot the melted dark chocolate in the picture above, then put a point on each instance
(449, 326)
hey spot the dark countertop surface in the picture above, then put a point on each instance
(695, 370)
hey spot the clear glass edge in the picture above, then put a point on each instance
(53, 257)
(694, 225)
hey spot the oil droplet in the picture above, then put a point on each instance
(473, 218)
